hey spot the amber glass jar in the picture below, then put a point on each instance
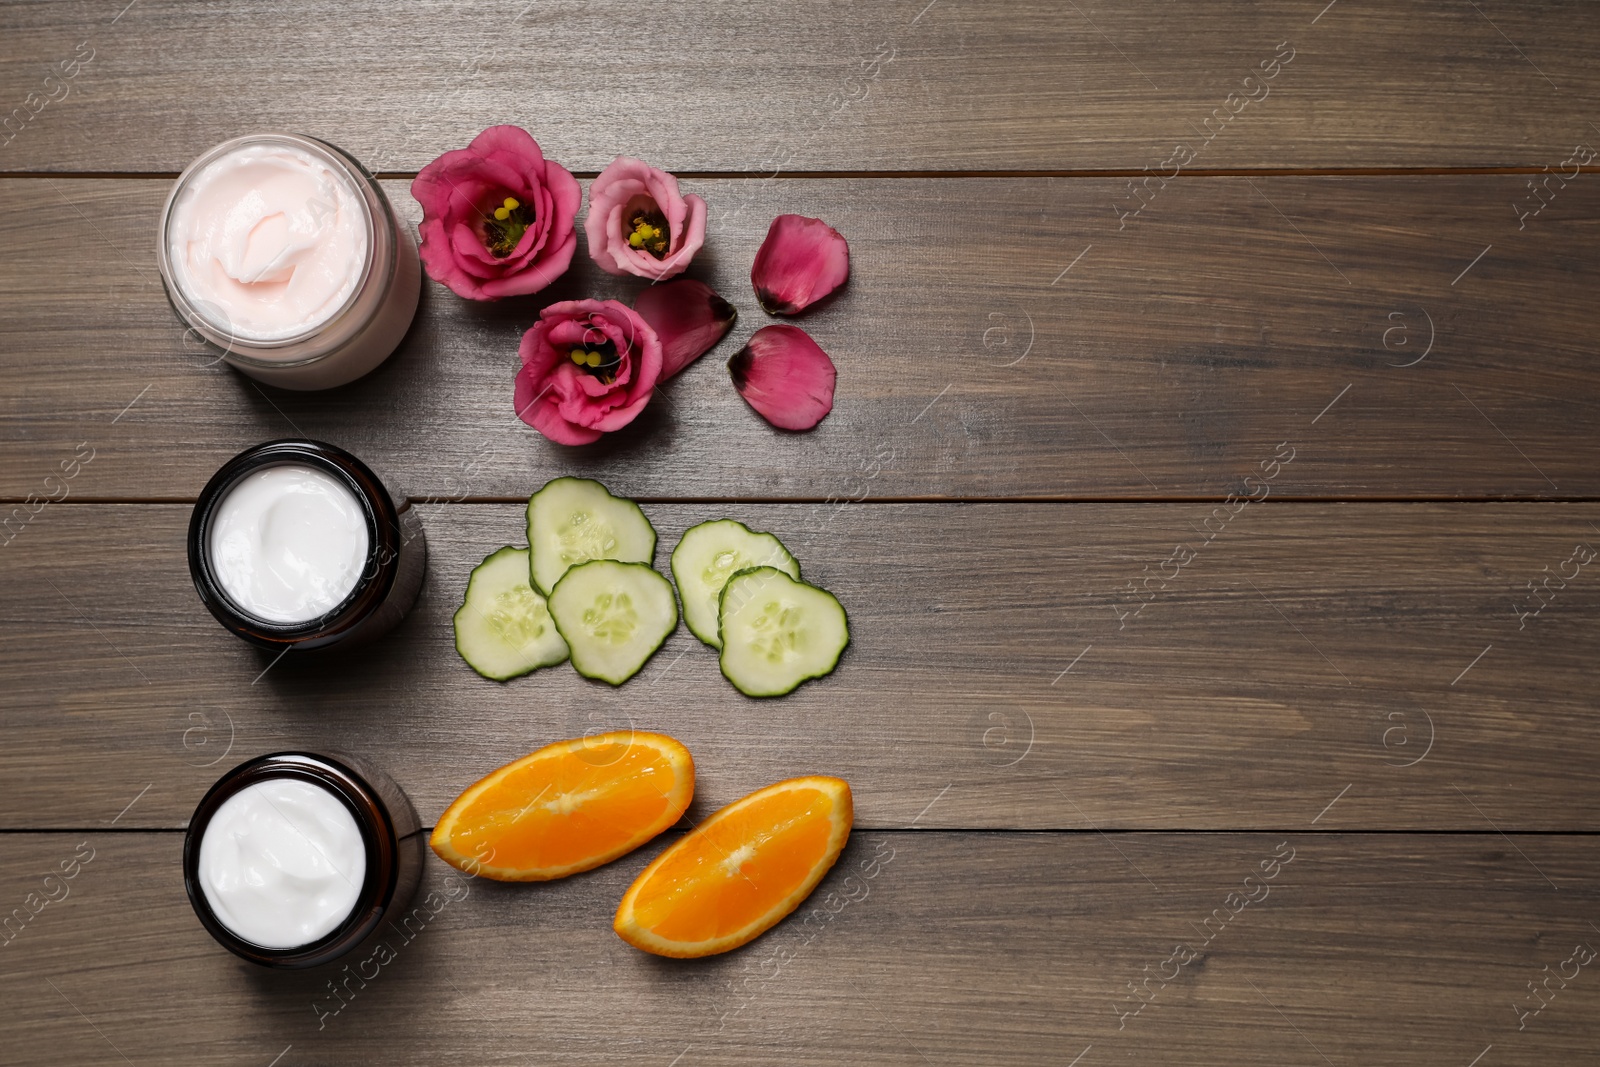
(390, 835)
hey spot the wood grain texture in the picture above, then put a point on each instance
(941, 948)
(1141, 627)
(1305, 654)
(999, 338)
(1023, 84)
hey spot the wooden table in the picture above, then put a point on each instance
(1210, 482)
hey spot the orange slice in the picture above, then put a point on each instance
(568, 807)
(737, 874)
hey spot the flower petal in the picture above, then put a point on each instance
(470, 254)
(510, 142)
(801, 261)
(785, 376)
(689, 318)
(438, 258)
(687, 239)
(536, 407)
(538, 274)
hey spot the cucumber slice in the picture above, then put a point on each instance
(574, 520)
(778, 632)
(614, 616)
(503, 628)
(711, 553)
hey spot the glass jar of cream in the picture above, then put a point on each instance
(298, 545)
(294, 859)
(284, 254)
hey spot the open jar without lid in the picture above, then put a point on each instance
(297, 545)
(284, 256)
(232, 864)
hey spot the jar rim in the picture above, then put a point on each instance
(374, 204)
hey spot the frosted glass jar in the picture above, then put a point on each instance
(284, 255)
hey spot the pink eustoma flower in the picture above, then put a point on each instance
(801, 261)
(588, 368)
(689, 318)
(498, 219)
(785, 376)
(638, 222)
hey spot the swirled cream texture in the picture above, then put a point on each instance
(288, 543)
(268, 241)
(282, 863)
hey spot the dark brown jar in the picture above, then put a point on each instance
(297, 841)
(310, 513)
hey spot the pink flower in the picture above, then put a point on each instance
(638, 223)
(497, 217)
(785, 376)
(689, 318)
(801, 261)
(588, 367)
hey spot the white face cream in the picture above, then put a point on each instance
(288, 543)
(282, 863)
(269, 239)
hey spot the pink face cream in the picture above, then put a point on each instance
(271, 236)
(285, 256)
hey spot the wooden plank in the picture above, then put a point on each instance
(1384, 662)
(1025, 84)
(941, 948)
(999, 338)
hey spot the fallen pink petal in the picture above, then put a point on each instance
(689, 318)
(785, 376)
(498, 219)
(638, 223)
(801, 262)
(588, 368)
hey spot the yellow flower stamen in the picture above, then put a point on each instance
(504, 225)
(594, 359)
(648, 236)
(579, 356)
